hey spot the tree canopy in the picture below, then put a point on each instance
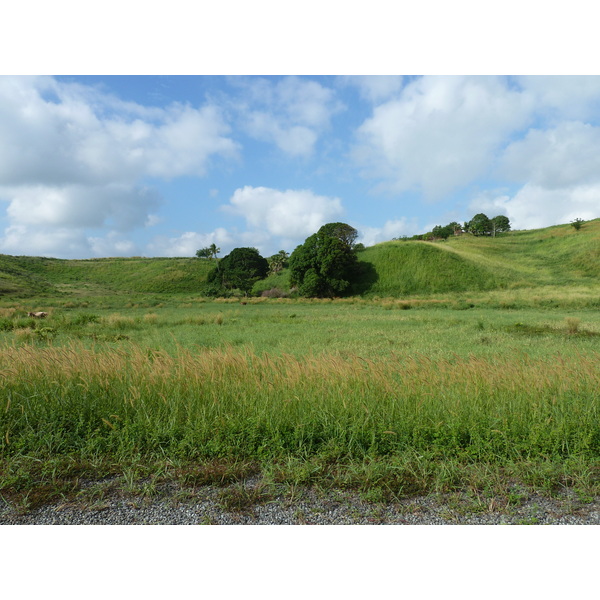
(500, 224)
(326, 264)
(480, 224)
(209, 252)
(240, 269)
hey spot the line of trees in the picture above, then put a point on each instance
(325, 265)
(480, 224)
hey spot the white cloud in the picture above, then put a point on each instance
(73, 158)
(391, 229)
(570, 97)
(566, 155)
(274, 219)
(57, 133)
(533, 206)
(374, 88)
(441, 133)
(187, 243)
(291, 112)
(289, 214)
(36, 241)
(112, 245)
(119, 206)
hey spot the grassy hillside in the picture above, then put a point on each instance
(405, 268)
(26, 276)
(556, 256)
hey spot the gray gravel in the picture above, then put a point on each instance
(172, 505)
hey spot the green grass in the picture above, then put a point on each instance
(554, 256)
(27, 276)
(467, 366)
(355, 394)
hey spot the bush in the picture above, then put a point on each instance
(274, 293)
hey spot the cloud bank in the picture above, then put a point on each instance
(72, 158)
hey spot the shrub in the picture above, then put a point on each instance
(274, 293)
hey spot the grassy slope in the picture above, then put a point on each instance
(23, 275)
(558, 256)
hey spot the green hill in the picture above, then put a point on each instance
(27, 276)
(556, 256)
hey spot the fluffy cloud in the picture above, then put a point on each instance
(118, 206)
(289, 214)
(274, 219)
(72, 158)
(54, 133)
(391, 229)
(187, 243)
(374, 88)
(441, 133)
(534, 206)
(570, 97)
(291, 112)
(566, 155)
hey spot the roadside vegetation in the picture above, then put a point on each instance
(485, 386)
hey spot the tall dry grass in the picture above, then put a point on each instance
(232, 402)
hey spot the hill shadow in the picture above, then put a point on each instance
(365, 278)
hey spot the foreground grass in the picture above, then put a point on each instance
(400, 425)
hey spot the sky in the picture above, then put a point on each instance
(97, 166)
(109, 163)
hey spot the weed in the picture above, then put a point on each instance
(241, 498)
(572, 324)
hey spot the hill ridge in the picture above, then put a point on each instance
(557, 255)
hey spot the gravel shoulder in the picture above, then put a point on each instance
(236, 505)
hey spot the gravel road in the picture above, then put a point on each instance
(211, 505)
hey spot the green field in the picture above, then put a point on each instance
(486, 384)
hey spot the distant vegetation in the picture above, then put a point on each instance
(560, 255)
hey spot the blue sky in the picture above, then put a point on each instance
(94, 166)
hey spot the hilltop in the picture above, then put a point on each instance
(557, 256)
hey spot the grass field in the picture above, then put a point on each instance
(479, 391)
(470, 365)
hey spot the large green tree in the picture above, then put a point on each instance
(480, 224)
(500, 224)
(240, 269)
(278, 261)
(326, 264)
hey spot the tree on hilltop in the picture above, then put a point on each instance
(209, 252)
(480, 224)
(500, 224)
(577, 223)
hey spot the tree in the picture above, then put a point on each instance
(500, 224)
(240, 269)
(209, 252)
(278, 261)
(577, 223)
(326, 264)
(455, 227)
(442, 232)
(479, 225)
